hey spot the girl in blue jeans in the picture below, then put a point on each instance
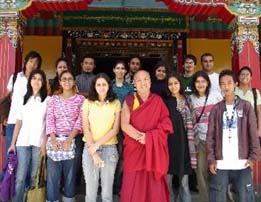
(63, 123)
(27, 139)
(100, 116)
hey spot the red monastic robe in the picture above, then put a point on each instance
(145, 166)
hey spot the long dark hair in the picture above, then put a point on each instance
(160, 63)
(195, 77)
(93, 95)
(176, 76)
(54, 83)
(43, 89)
(32, 55)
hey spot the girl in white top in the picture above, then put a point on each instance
(245, 92)
(29, 132)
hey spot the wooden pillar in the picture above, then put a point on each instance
(10, 54)
(245, 47)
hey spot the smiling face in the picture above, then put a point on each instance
(161, 73)
(201, 85)
(36, 82)
(101, 87)
(67, 81)
(189, 65)
(207, 63)
(174, 86)
(119, 71)
(142, 82)
(245, 77)
(134, 65)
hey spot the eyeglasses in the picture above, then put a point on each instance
(67, 79)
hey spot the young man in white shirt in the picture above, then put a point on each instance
(207, 63)
(232, 144)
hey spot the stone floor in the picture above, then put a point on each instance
(80, 198)
(80, 190)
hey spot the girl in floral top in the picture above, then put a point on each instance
(63, 123)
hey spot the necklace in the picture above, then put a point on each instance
(229, 121)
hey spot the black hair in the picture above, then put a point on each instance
(87, 56)
(54, 83)
(43, 89)
(227, 72)
(245, 68)
(60, 60)
(135, 56)
(160, 63)
(120, 62)
(32, 55)
(206, 54)
(190, 56)
(194, 79)
(93, 95)
(66, 71)
(176, 76)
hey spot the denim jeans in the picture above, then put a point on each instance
(109, 155)
(241, 181)
(8, 138)
(54, 173)
(28, 158)
(183, 192)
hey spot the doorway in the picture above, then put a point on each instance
(107, 52)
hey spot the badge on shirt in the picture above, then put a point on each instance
(240, 112)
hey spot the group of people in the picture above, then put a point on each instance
(133, 135)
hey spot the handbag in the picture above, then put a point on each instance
(5, 104)
(61, 154)
(38, 192)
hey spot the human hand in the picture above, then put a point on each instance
(213, 168)
(250, 164)
(67, 144)
(93, 148)
(142, 138)
(98, 162)
(55, 144)
(11, 148)
(43, 150)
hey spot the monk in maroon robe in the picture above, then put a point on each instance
(146, 124)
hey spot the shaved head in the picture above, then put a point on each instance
(141, 73)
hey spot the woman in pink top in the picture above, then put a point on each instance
(63, 123)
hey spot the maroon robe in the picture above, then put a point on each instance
(145, 166)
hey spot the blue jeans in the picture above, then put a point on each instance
(28, 158)
(109, 155)
(8, 138)
(183, 192)
(54, 173)
(241, 180)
